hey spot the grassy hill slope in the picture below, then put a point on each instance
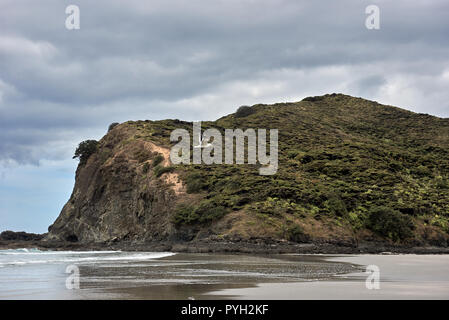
(349, 170)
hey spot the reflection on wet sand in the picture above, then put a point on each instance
(193, 276)
(147, 275)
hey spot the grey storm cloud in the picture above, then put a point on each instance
(202, 59)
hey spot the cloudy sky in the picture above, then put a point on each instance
(192, 60)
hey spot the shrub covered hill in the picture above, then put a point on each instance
(350, 170)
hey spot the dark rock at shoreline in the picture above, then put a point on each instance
(256, 246)
(20, 236)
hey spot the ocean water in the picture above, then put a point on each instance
(35, 274)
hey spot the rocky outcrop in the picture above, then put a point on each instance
(117, 197)
(350, 171)
(20, 236)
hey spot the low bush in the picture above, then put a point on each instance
(390, 223)
(209, 211)
(184, 215)
(141, 155)
(194, 183)
(296, 234)
(205, 211)
(158, 159)
(336, 206)
(159, 170)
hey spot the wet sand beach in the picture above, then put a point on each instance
(34, 274)
(401, 277)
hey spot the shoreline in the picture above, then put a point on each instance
(244, 247)
(415, 279)
(205, 276)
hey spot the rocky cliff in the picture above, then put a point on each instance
(349, 170)
(115, 197)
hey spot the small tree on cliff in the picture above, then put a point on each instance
(112, 126)
(85, 150)
(244, 111)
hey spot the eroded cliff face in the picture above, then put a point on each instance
(116, 196)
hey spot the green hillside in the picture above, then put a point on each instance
(349, 169)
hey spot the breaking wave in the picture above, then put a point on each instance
(34, 256)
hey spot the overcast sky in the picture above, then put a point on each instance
(192, 60)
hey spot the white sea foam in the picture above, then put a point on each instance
(24, 257)
(40, 252)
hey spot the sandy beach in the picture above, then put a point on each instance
(401, 277)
